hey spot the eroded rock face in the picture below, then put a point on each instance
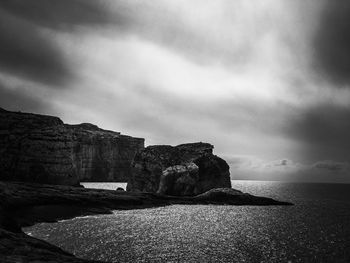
(179, 180)
(38, 148)
(183, 170)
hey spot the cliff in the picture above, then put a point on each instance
(183, 170)
(39, 148)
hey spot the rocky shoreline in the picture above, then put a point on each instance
(23, 204)
(47, 157)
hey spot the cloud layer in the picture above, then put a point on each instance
(27, 29)
(332, 42)
(265, 79)
(253, 168)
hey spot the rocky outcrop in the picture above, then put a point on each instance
(183, 170)
(24, 204)
(39, 148)
(179, 180)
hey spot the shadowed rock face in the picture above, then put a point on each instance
(38, 148)
(179, 180)
(186, 169)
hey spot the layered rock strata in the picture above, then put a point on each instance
(39, 148)
(183, 170)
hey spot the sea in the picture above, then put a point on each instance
(315, 229)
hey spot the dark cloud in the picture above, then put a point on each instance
(16, 98)
(332, 42)
(321, 171)
(330, 165)
(26, 52)
(59, 14)
(283, 162)
(324, 130)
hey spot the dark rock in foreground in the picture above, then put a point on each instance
(19, 247)
(42, 149)
(27, 204)
(231, 196)
(183, 170)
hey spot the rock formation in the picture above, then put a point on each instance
(183, 170)
(23, 204)
(39, 148)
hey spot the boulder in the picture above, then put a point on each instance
(183, 170)
(42, 149)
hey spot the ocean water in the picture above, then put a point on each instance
(107, 186)
(315, 229)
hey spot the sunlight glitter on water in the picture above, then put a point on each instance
(106, 186)
(311, 231)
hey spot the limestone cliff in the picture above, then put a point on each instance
(183, 170)
(39, 148)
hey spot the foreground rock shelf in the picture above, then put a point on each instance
(26, 204)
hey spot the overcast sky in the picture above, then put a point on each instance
(267, 82)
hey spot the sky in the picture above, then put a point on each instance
(266, 82)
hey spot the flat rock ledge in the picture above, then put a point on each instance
(27, 204)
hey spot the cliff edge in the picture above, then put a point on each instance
(184, 170)
(42, 149)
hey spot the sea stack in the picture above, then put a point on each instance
(42, 149)
(183, 170)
